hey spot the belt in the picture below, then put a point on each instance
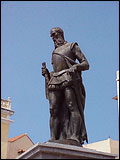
(55, 74)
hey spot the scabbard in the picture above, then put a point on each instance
(46, 86)
(46, 81)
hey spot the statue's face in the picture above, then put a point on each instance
(57, 39)
(55, 36)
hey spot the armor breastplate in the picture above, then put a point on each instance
(58, 61)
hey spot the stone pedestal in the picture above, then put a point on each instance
(51, 150)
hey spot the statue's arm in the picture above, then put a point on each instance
(84, 65)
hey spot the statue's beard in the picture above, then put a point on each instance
(58, 42)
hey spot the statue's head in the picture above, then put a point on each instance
(57, 35)
(57, 30)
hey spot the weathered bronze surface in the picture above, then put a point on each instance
(65, 91)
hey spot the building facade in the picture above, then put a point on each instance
(18, 145)
(108, 146)
(6, 112)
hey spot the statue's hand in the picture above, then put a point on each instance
(45, 71)
(73, 68)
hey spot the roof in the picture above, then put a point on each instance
(18, 137)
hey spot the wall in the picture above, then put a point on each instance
(4, 139)
(22, 143)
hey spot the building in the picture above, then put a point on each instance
(18, 145)
(108, 146)
(6, 112)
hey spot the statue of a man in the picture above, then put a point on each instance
(65, 90)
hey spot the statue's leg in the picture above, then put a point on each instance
(75, 119)
(55, 102)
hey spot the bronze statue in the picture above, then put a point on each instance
(65, 90)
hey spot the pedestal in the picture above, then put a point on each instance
(51, 150)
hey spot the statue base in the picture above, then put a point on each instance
(52, 150)
(66, 141)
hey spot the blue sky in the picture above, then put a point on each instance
(26, 43)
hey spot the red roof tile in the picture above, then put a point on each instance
(15, 138)
(18, 137)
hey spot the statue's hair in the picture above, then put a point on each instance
(57, 29)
